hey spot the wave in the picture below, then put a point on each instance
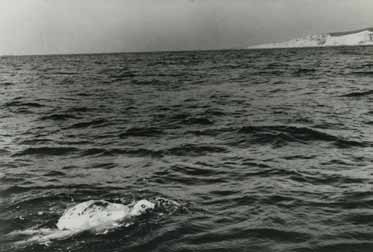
(233, 234)
(79, 110)
(50, 151)
(198, 120)
(54, 174)
(189, 119)
(118, 151)
(7, 83)
(277, 134)
(96, 122)
(304, 71)
(194, 150)
(190, 175)
(363, 73)
(296, 134)
(4, 152)
(149, 82)
(106, 166)
(23, 104)
(181, 150)
(210, 131)
(346, 244)
(83, 94)
(59, 189)
(59, 117)
(63, 73)
(316, 179)
(141, 132)
(358, 94)
(114, 219)
(121, 76)
(35, 141)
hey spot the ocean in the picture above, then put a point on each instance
(260, 150)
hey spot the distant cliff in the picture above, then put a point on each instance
(350, 38)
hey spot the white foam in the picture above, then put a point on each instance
(93, 215)
(141, 207)
(97, 216)
(42, 236)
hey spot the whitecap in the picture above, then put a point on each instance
(95, 216)
(41, 236)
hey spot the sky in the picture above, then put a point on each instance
(98, 26)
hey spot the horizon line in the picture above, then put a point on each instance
(120, 52)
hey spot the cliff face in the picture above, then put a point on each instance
(353, 38)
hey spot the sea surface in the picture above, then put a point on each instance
(263, 150)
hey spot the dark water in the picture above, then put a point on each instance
(265, 150)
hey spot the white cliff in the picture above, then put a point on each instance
(353, 38)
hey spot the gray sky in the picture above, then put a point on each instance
(83, 26)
